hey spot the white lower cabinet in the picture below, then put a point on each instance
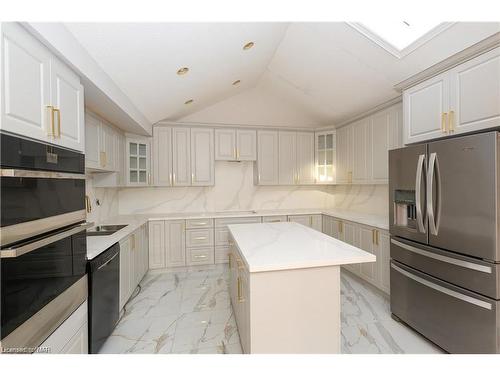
(311, 221)
(134, 263)
(71, 337)
(370, 239)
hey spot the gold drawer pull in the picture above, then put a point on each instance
(200, 238)
(199, 256)
(451, 121)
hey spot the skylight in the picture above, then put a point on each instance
(400, 37)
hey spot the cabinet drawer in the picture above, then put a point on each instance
(222, 254)
(199, 223)
(237, 220)
(221, 236)
(274, 219)
(199, 237)
(202, 255)
(458, 320)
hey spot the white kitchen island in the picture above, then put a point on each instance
(285, 287)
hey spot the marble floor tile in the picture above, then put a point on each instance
(187, 311)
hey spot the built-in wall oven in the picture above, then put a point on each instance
(43, 240)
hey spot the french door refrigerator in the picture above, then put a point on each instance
(445, 253)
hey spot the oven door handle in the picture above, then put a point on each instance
(21, 249)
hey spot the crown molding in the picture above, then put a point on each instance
(398, 99)
(458, 58)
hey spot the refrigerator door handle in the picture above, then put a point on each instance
(434, 215)
(418, 182)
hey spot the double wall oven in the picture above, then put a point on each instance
(445, 233)
(43, 240)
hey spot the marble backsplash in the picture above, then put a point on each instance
(108, 201)
(370, 199)
(234, 190)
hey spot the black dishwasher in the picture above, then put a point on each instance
(104, 294)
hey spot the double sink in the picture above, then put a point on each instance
(105, 230)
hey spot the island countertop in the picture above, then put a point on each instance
(289, 245)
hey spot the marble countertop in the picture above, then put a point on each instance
(97, 244)
(289, 245)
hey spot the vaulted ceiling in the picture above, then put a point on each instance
(323, 73)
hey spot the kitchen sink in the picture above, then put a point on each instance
(105, 230)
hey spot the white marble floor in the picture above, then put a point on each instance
(188, 311)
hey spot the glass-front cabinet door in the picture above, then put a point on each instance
(138, 161)
(325, 157)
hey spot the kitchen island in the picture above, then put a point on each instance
(285, 287)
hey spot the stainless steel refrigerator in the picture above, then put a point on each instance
(445, 232)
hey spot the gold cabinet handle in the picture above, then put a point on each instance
(451, 121)
(200, 238)
(88, 206)
(237, 154)
(51, 132)
(170, 178)
(56, 110)
(229, 259)
(349, 177)
(341, 226)
(240, 293)
(373, 236)
(443, 122)
(173, 179)
(377, 236)
(192, 177)
(199, 256)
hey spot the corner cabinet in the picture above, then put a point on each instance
(41, 97)
(138, 161)
(464, 99)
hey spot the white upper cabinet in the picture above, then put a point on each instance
(326, 157)
(363, 147)
(475, 94)
(235, 144)
(287, 158)
(25, 84)
(181, 156)
(225, 144)
(305, 158)
(463, 99)
(344, 154)
(384, 135)
(92, 145)
(246, 141)
(162, 156)
(41, 97)
(67, 99)
(107, 144)
(425, 107)
(266, 169)
(202, 157)
(360, 152)
(138, 161)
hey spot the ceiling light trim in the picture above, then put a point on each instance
(377, 39)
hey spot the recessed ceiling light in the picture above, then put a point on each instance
(189, 101)
(237, 82)
(248, 45)
(182, 71)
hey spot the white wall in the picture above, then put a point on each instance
(267, 104)
(234, 190)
